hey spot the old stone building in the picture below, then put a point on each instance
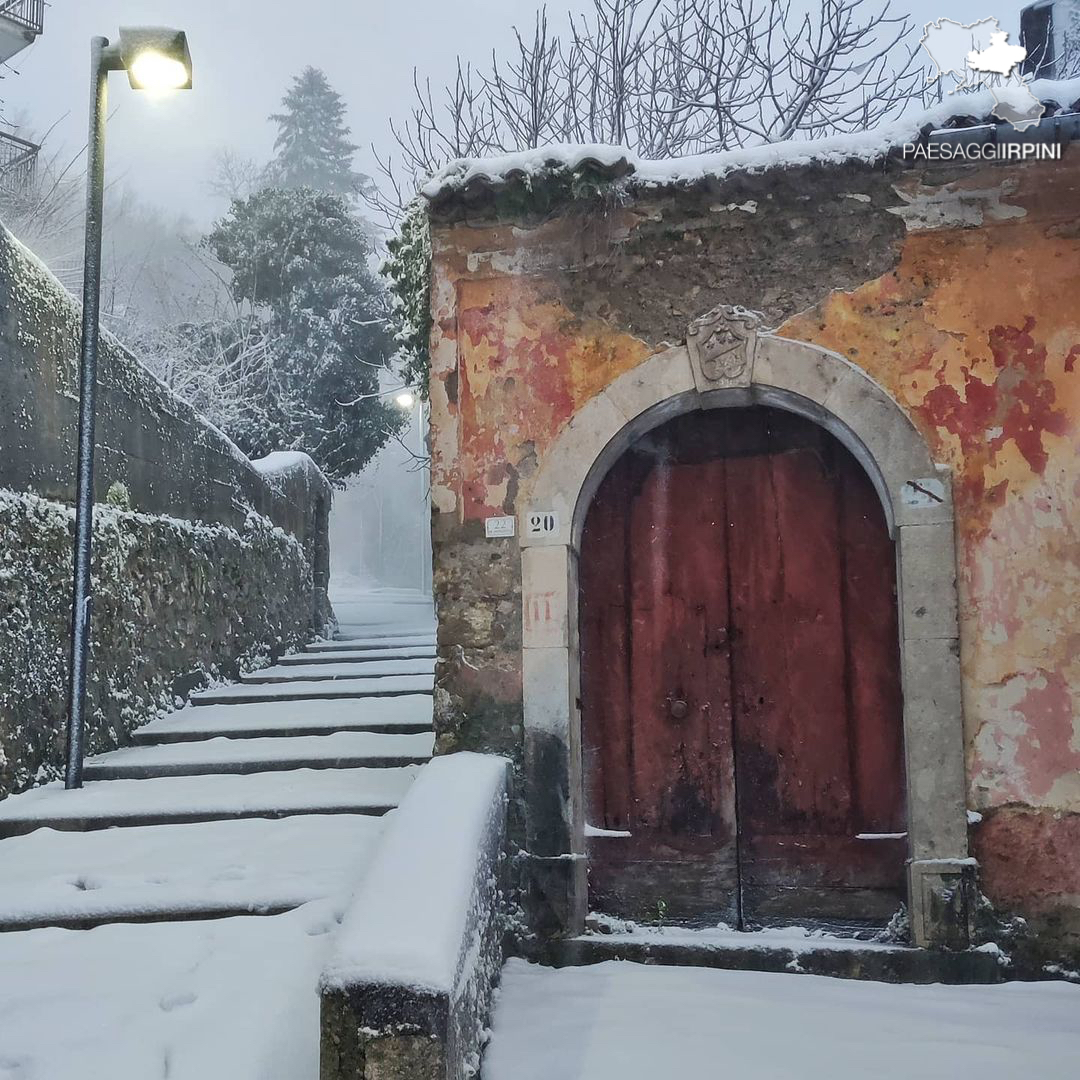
(785, 625)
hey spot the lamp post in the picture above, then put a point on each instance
(155, 58)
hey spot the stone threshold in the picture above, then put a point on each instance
(836, 957)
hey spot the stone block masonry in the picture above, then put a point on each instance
(204, 562)
(174, 601)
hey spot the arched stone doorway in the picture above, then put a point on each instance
(728, 362)
(741, 711)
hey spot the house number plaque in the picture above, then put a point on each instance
(541, 523)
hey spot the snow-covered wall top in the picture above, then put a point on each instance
(169, 459)
(618, 161)
(410, 978)
(414, 921)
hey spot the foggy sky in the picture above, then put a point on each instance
(245, 53)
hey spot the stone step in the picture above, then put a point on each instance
(405, 714)
(376, 642)
(315, 672)
(300, 690)
(353, 656)
(178, 799)
(341, 750)
(418, 653)
(778, 952)
(209, 869)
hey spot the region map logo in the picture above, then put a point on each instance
(978, 55)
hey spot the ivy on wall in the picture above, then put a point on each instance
(408, 266)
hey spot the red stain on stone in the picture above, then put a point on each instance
(1019, 406)
(1029, 859)
(1047, 753)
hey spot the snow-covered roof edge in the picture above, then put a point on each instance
(867, 146)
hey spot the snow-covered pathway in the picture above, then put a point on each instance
(626, 1021)
(183, 901)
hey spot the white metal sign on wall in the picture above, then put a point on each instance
(498, 527)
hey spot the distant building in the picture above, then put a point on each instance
(1050, 31)
(21, 22)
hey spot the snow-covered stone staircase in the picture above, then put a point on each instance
(336, 730)
(254, 800)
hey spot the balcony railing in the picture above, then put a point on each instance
(18, 162)
(29, 14)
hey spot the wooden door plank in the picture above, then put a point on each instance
(791, 713)
(605, 654)
(871, 639)
(682, 767)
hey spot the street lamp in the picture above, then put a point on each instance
(156, 59)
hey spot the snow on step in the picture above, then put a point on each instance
(105, 803)
(363, 669)
(298, 690)
(380, 643)
(235, 998)
(251, 865)
(625, 1021)
(341, 750)
(350, 656)
(408, 713)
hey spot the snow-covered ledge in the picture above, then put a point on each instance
(407, 988)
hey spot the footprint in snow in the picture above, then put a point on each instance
(177, 1001)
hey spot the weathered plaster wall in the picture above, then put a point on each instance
(208, 561)
(958, 290)
(976, 332)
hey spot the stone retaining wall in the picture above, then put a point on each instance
(204, 561)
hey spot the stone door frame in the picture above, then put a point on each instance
(728, 361)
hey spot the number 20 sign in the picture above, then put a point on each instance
(541, 523)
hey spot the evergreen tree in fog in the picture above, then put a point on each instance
(300, 260)
(312, 146)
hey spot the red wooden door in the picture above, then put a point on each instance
(658, 680)
(740, 690)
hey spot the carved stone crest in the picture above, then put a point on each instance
(722, 345)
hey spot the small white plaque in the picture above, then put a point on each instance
(923, 493)
(541, 523)
(498, 526)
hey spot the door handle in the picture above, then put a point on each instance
(677, 708)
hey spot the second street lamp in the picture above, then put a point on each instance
(155, 58)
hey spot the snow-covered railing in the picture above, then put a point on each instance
(29, 14)
(407, 987)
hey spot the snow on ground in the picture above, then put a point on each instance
(350, 746)
(227, 999)
(408, 710)
(365, 613)
(174, 796)
(253, 863)
(624, 1021)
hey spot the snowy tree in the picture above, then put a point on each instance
(312, 146)
(665, 78)
(317, 338)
